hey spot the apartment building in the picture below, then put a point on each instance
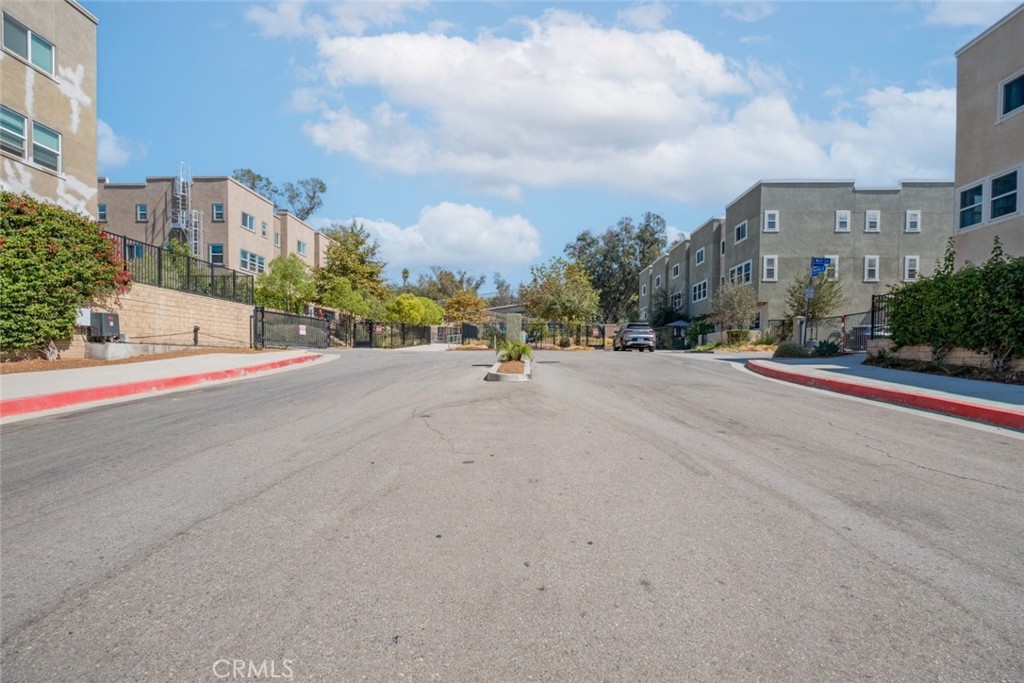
(990, 141)
(873, 238)
(237, 227)
(48, 102)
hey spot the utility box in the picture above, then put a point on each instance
(104, 326)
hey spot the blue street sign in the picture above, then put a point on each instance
(819, 264)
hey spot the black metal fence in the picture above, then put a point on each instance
(779, 330)
(557, 334)
(389, 335)
(149, 264)
(880, 315)
(281, 330)
(849, 332)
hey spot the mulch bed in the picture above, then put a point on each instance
(960, 371)
(42, 365)
(512, 367)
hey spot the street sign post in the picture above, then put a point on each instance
(819, 264)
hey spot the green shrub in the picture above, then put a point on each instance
(737, 337)
(790, 349)
(826, 348)
(767, 340)
(565, 342)
(514, 350)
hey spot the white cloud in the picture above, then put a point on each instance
(114, 150)
(570, 103)
(973, 13)
(648, 16)
(457, 236)
(295, 19)
(748, 11)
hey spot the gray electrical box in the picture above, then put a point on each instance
(104, 325)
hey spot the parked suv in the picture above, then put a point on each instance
(634, 336)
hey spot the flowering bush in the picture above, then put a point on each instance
(51, 262)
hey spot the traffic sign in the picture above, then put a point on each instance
(819, 264)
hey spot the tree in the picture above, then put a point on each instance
(614, 260)
(414, 310)
(662, 311)
(465, 306)
(560, 291)
(352, 254)
(259, 184)
(52, 261)
(826, 298)
(337, 292)
(440, 284)
(503, 295)
(405, 278)
(286, 286)
(305, 197)
(734, 306)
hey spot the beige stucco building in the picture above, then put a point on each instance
(990, 141)
(48, 100)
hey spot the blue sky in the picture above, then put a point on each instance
(485, 136)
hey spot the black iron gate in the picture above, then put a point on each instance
(280, 330)
(362, 335)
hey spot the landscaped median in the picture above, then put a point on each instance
(510, 371)
(981, 412)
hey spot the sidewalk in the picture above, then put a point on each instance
(33, 392)
(994, 403)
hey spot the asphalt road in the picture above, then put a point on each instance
(623, 517)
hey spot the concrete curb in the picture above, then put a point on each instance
(494, 376)
(1000, 417)
(62, 399)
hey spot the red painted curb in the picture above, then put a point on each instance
(61, 399)
(1000, 417)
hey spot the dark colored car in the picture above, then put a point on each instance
(638, 336)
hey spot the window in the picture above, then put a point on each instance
(46, 147)
(1004, 196)
(740, 274)
(699, 257)
(913, 223)
(675, 271)
(248, 221)
(870, 269)
(27, 45)
(872, 220)
(677, 301)
(970, 206)
(911, 269)
(277, 239)
(770, 268)
(300, 247)
(217, 254)
(217, 213)
(643, 313)
(1012, 95)
(842, 221)
(141, 213)
(254, 263)
(699, 291)
(12, 132)
(263, 228)
(721, 248)
(771, 221)
(101, 213)
(657, 282)
(643, 290)
(832, 271)
(740, 233)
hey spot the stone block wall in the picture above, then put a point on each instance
(923, 353)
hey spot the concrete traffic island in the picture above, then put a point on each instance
(494, 375)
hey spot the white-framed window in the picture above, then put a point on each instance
(842, 221)
(248, 221)
(141, 213)
(24, 42)
(217, 254)
(264, 230)
(13, 132)
(699, 292)
(45, 147)
(771, 221)
(698, 258)
(770, 268)
(911, 268)
(742, 273)
(300, 247)
(872, 220)
(721, 248)
(832, 271)
(277, 239)
(643, 290)
(1004, 195)
(675, 271)
(913, 221)
(657, 282)
(643, 313)
(217, 212)
(677, 301)
(101, 213)
(739, 233)
(1011, 95)
(971, 204)
(254, 263)
(870, 269)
